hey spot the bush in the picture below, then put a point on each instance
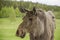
(11, 13)
(4, 12)
(57, 14)
(8, 12)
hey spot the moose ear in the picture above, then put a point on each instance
(23, 10)
(34, 9)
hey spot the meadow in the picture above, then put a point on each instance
(9, 10)
(8, 29)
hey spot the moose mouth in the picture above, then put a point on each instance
(20, 35)
(23, 35)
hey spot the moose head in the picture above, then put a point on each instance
(33, 22)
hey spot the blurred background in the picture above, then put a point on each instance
(11, 17)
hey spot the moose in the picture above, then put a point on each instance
(38, 23)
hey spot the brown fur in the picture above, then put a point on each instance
(39, 24)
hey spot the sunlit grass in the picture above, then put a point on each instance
(8, 29)
(57, 31)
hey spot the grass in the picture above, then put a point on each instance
(8, 29)
(57, 31)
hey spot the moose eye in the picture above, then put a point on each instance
(30, 19)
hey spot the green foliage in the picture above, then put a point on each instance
(57, 14)
(5, 5)
(12, 14)
(17, 12)
(8, 12)
(4, 12)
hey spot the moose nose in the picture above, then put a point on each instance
(17, 33)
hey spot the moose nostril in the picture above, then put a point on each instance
(17, 33)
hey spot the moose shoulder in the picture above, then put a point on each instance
(38, 23)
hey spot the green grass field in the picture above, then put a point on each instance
(8, 29)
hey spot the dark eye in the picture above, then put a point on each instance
(30, 19)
